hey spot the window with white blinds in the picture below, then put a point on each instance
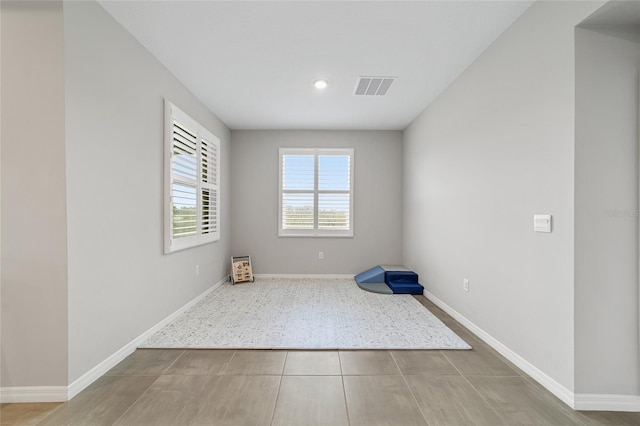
(192, 174)
(316, 192)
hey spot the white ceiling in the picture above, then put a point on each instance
(616, 15)
(253, 63)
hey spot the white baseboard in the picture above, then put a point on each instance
(33, 394)
(589, 402)
(297, 276)
(99, 370)
(65, 393)
(575, 401)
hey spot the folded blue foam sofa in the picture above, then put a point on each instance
(389, 279)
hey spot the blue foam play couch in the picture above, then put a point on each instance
(399, 279)
(403, 282)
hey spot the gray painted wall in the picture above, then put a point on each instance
(120, 283)
(34, 223)
(377, 202)
(606, 212)
(494, 149)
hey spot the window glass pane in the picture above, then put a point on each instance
(297, 172)
(184, 210)
(333, 172)
(333, 211)
(297, 211)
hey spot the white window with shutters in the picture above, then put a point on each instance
(192, 175)
(315, 192)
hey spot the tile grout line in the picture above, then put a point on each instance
(150, 385)
(474, 388)
(217, 380)
(221, 372)
(275, 405)
(518, 373)
(174, 361)
(203, 406)
(224, 370)
(404, 379)
(137, 399)
(49, 414)
(344, 390)
(554, 399)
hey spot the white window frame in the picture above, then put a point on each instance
(316, 152)
(206, 179)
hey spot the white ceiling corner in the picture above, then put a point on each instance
(253, 63)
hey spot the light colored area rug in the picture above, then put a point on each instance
(277, 313)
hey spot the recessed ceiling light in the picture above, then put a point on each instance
(320, 84)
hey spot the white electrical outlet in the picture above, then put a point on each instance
(320, 255)
(465, 285)
(197, 270)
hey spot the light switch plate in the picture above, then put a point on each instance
(542, 223)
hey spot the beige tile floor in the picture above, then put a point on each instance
(226, 387)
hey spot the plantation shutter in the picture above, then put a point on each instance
(334, 192)
(316, 196)
(298, 192)
(192, 174)
(209, 186)
(184, 202)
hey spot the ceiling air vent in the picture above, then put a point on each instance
(374, 85)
